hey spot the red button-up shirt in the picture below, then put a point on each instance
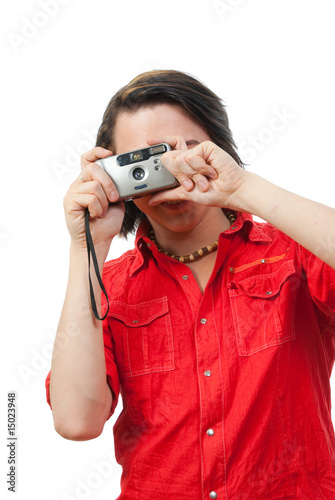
(225, 394)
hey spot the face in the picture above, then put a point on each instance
(135, 131)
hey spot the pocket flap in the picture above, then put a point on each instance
(265, 286)
(140, 314)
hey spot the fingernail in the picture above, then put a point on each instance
(202, 185)
(187, 184)
(113, 196)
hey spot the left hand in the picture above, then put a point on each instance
(207, 175)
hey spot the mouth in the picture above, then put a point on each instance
(175, 205)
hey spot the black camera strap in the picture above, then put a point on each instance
(90, 250)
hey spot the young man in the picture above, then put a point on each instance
(220, 331)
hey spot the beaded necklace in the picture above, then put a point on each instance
(199, 253)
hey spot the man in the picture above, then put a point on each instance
(220, 331)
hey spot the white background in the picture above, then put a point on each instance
(59, 70)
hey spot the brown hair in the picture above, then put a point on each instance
(167, 86)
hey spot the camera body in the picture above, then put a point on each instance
(139, 172)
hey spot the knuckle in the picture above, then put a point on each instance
(109, 183)
(179, 161)
(84, 157)
(189, 157)
(90, 168)
(179, 139)
(95, 187)
(85, 174)
(94, 205)
(68, 196)
(179, 175)
(91, 171)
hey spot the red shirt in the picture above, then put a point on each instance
(225, 394)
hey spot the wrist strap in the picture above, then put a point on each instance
(90, 250)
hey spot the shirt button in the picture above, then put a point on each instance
(263, 261)
(185, 277)
(208, 373)
(210, 432)
(213, 494)
(203, 321)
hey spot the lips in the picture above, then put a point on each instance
(174, 206)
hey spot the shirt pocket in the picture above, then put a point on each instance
(143, 335)
(263, 308)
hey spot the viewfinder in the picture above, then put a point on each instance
(156, 150)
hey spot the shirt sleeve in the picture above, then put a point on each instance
(47, 388)
(111, 368)
(321, 284)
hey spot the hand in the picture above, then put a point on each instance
(207, 175)
(94, 190)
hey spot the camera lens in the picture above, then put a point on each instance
(138, 173)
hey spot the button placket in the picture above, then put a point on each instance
(188, 284)
(208, 348)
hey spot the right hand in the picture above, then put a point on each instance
(93, 189)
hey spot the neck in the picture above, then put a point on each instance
(188, 241)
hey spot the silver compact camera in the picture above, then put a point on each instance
(139, 172)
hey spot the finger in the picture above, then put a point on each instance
(175, 141)
(76, 202)
(184, 178)
(186, 173)
(201, 182)
(191, 163)
(93, 172)
(211, 154)
(197, 161)
(93, 188)
(93, 155)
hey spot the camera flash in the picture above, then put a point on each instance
(137, 156)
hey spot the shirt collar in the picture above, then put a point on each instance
(255, 232)
(144, 246)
